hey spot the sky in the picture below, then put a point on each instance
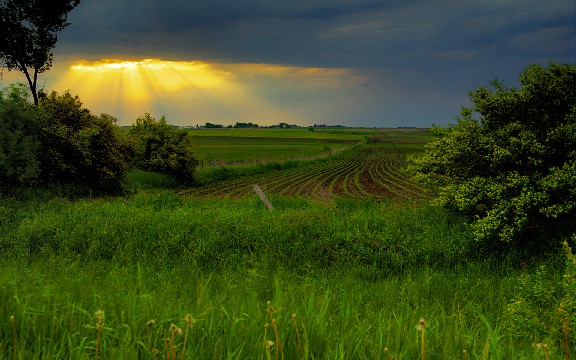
(367, 63)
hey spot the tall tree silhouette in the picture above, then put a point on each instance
(29, 33)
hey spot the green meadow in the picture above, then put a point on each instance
(245, 146)
(155, 274)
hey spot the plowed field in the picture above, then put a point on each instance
(367, 171)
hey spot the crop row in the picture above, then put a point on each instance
(367, 171)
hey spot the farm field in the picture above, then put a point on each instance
(352, 249)
(364, 170)
(246, 146)
(367, 171)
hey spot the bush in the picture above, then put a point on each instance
(19, 139)
(510, 161)
(77, 147)
(543, 307)
(163, 148)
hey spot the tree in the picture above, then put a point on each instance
(29, 30)
(78, 147)
(163, 148)
(19, 139)
(510, 161)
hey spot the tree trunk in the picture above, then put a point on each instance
(31, 83)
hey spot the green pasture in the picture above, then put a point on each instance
(295, 133)
(244, 146)
(359, 275)
(217, 150)
(86, 278)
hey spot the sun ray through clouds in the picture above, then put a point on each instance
(194, 92)
(130, 88)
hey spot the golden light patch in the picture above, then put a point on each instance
(129, 88)
(197, 91)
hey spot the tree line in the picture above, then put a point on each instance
(59, 141)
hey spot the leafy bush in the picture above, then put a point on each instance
(510, 161)
(19, 139)
(77, 147)
(543, 308)
(163, 148)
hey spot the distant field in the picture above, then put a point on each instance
(367, 171)
(245, 146)
(371, 167)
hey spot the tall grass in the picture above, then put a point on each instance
(358, 275)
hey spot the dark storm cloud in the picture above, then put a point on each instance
(423, 55)
(324, 33)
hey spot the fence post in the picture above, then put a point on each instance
(263, 197)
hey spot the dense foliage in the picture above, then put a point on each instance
(57, 142)
(29, 29)
(510, 161)
(78, 147)
(19, 135)
(163, 148)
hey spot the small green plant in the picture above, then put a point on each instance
(544, 307)
(14, 337)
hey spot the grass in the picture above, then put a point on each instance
(358, 275)
(154, 275)
(245, 146)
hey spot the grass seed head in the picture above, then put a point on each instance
(99, 314)
(175, 329)
(189, 320)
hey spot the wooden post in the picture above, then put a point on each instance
(263, 197)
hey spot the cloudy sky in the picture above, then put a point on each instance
(371, 63)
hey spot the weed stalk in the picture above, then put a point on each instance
(174, 330)
(12, 321)
(566, 331)
(273, 321)
(99, 325)
(422, 327)
(298, 336)
(188, 326)
(149, 324)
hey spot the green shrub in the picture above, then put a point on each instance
(19, 139)
(512, 168)
(543, 308)
(77, 147)
(163, 148)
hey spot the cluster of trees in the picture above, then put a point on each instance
(246, 125)
(58, 141)
(510, 161)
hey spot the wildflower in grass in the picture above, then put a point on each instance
(298, 336)
(174, 330)
(99, 314)
(544, 347)
(189, 321)
(148, 325)
(421, 327)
